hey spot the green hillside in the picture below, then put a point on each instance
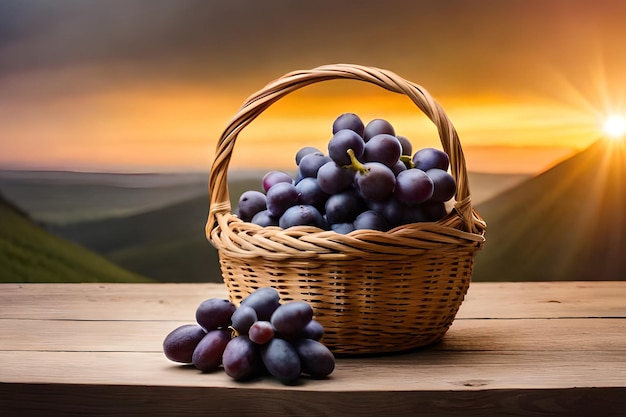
(569, 223)
(28, 253)
(68, 197)
(168, 244)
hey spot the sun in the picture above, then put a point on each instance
(615, 127)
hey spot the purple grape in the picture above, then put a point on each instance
(398, 167)
(264, 219)
(376, 182)
(414, 214)
(342, 228)
(349, 121)
(264, 301)
(429, 158)
(376, 205)
(281, 360)
(344, 207)
(179, 344)
(444, 184)
(315, 358)
(334, 179)
(243, 318)
(291, 318)
(305, 151)
(302, 215)
(280, 197)
(432, 211)
(250, 203)
(397, 213)
(391, 209)
(382, 148)
(241, 359)
(372, 220)
(407, 148)
(214, 313)
(340, 143)
(261, 332)
(377, 127)
(207, 356)
(311, 163)
(413, 187)
(311, 193)
(313, 330)
(274, 177)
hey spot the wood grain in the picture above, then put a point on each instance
(464, 335)
(153, 302)
(434, 370)
(528, 349)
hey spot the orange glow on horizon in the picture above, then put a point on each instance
(502, 136)
(176, 127)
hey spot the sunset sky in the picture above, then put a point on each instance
(149, 85)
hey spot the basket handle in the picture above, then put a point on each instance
(275, 90)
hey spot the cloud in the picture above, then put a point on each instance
(477, 46)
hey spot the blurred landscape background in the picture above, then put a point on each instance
(110, 112)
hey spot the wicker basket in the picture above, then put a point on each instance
(374, 292)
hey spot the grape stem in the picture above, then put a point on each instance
(233, 332)
(408, 161)
(355, 164)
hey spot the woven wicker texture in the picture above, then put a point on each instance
(374, 292)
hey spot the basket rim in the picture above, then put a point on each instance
(248, 240)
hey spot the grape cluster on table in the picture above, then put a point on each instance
(369, 178)
(261, 336)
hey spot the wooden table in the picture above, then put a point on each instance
(528, 349)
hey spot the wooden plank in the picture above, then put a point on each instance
(121, 301)
(178, 301)
(45, 400)
(431, 371)
(544, 300)
(464, 335)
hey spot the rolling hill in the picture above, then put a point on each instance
(68, 197)
(568, 223)
(28, 253)
(168, 244)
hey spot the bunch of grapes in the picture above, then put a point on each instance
(368, 179)
(260, 336)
